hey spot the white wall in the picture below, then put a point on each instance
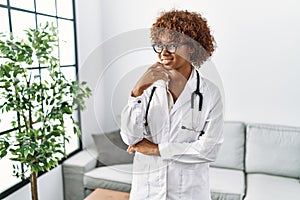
(89, 30)
(257, 57)
(89, 36)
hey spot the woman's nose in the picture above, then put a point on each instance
(165, 51)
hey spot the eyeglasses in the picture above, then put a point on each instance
(171, 48)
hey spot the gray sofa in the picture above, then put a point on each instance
(256, 162)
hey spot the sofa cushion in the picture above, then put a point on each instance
(111, 148)
(262, 187)
(73, 171)
(231, 154)
(114, 177)
(273, 150)
(227, 184)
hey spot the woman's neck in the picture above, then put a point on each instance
(178, 81)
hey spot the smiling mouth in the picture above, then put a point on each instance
(166, 61)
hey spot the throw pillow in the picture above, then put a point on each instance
(111, 149)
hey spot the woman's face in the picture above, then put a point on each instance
(180, 60)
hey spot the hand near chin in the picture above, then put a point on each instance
(153, 73)
(145, 147)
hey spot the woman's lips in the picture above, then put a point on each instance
(166, 61)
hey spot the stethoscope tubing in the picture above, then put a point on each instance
(148, 105)
(197, 93)
(193, 96)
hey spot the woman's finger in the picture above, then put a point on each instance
(130, 149)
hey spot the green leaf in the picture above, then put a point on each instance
(26, 151)
(7, 108)
(3, 153)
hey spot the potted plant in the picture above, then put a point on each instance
(41, 106)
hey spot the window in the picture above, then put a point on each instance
(15, 16)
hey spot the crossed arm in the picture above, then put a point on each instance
(145, 147)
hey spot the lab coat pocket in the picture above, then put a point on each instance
(188, 133)
(193, 185)
(190, 126)
(189, 182)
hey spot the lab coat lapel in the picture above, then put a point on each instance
(185, 96)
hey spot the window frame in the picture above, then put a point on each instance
(9, 8)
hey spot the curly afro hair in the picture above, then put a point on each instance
(189, 26)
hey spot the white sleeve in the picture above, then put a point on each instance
(132, 120)
(133, 115)
(206, 148)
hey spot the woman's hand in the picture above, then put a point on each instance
(153, 73)
(145, 147)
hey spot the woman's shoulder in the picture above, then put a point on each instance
(212, 90)
(209, 86)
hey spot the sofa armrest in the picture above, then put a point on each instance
(73, 172)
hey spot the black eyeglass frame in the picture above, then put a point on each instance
(166, 47)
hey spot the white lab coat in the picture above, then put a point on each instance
(182, 169)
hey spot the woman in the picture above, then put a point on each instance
(173, 133)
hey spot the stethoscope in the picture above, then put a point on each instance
(194, 95)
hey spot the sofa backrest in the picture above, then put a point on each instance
(111, 149)
(273, 150)
(231, 154)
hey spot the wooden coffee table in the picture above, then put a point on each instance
(104, 194)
